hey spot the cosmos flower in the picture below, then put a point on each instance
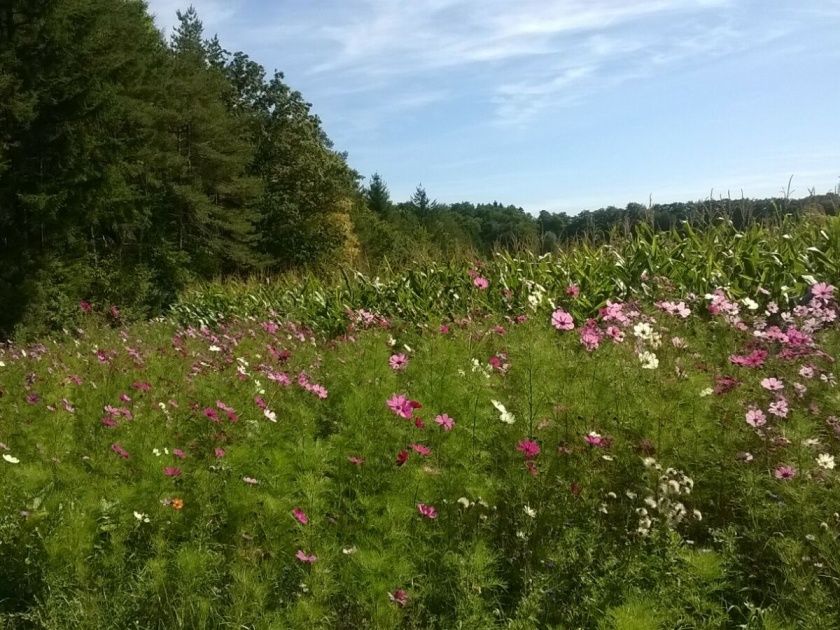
(562, 320)
(300, 516)
(784, 472)
(398, 362)
(306, 558)
(428, 511)
(445, 422)
(529, 448)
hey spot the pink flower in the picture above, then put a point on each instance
(561, 320)
(755, 359)
(444, 329)
(785, 472)
(177, 452)
(355, 460)
(481, 282)
(141, 386)
(305, 558)
(595, 439)
(806, 371)
(615, 333)
(428, 511)
(573, 290)
(398, 362)
(399, 597)
(529, 448)
(822, 291)
(446, 423)
(590, 336)
(403, 406)
(755, 417)
(402, 457)
(119, 450)
(421, 449)
(85, 306)
(779, 408)
(300, 516)
(172, 471)
(320, 391)
(772, 384)
(219, 452)
(211, 414)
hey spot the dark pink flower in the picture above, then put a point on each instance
(402, 457)
(172, 471)
(85, 306)
(573, 290)
(119, 450)
(399, 597)
(529, 448)
(300, 516)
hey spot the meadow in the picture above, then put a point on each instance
(639, 434)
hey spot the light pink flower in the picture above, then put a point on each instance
(561, 320)
(481, 282)
(785, 472)
(421, 449)
(398, 362)
(779, 407)
(755, 417)
(772, 384)
(446, 423)
(306, 558)
(822, 290)
(172, 471)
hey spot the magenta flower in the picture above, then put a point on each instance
(428, 511)
(784, 472)
(219, 452)
(755, 417)
(119, 450)
(300, 516)
(446, 423)
(772, 384)
(211, 414)
(480, 282)
(529, 448)
(172, 471)
(421, 449)
(403, 406)
(398, 362)
(561, 320)
(306, 558)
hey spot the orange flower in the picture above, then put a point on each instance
(177, 504)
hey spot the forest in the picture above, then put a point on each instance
(132, 165)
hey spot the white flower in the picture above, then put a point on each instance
(826, 461)
(268, 413)
(464, 501)
(648, 360)
(2, 364)
(504, 415)
(530, 511)
(156, 452)
(521, 535)
(698, 515)
(811, 442)
(215, 349)
(348, 551)
(649, 462)
(143, 518)
(750, 304)
(392, 342)
(706, 392)
(407, 349)
(10, 459)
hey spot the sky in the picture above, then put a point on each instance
(559, 105)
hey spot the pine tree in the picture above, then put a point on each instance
(377, 196)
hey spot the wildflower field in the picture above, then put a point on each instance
(637, 435)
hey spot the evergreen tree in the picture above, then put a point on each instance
(377, 196)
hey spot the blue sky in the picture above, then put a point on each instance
(560, 105)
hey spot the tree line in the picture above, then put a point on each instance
(132, 165)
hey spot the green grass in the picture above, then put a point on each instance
(554, 546)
